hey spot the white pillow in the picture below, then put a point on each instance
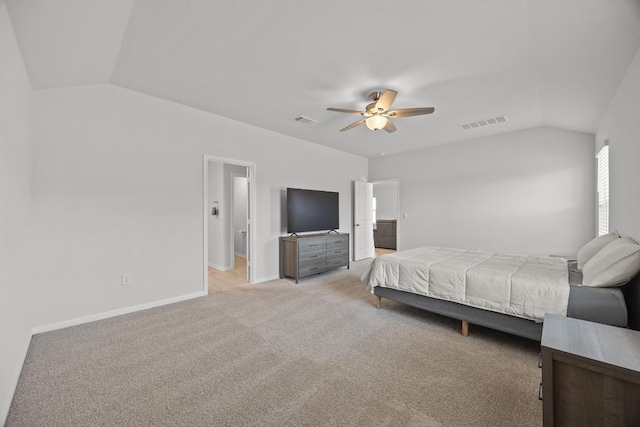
(594, 246)
(614, 265)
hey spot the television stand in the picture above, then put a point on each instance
(333, 230)
(309, 254)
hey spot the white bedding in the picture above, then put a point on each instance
(518, 285)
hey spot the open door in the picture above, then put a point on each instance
(239, 230)
(362, 220)
(249, 223)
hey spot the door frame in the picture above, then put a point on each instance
(251, 251)
(398, 217)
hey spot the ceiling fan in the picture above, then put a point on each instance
(377, 114)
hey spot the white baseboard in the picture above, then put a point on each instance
(240, 255)
(113, 313)
(6, 405)
(219, 267)
(266, 279)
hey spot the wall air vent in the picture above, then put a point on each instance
(483, 123)
(305, 120)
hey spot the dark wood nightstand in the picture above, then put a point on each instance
(590, 374)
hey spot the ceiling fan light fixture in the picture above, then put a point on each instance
(376, 122)
(377, 114)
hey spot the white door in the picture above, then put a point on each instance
(249, 223)
(362, 220)
(240, 218)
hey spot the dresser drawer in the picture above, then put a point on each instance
(335, 263)
(338, 241)
(312, 244)
(312, 257)
(310, 269)
(337, 253)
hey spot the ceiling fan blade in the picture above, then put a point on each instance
(352, 125)
(390, 127)
(385, 100)
(342, 110)
(408, 112)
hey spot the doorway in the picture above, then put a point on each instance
(229, 214)
(385, 205)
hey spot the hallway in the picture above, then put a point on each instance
(231, 279)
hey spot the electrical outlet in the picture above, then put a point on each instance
(126, 279)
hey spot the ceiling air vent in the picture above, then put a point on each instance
(305, 120)
(483, 123)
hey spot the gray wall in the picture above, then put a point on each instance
(16, 301)
(530, 191)
(621, 126)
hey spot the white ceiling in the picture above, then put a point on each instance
(539, 62)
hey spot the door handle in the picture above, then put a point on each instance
(357, 225)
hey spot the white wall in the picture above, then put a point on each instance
(528, 192)
(621, 126)
(386, 200)
(15, 199)
(216, 230)
(118, 188)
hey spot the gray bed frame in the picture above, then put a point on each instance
(501, 322)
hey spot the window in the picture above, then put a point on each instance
(603, 190)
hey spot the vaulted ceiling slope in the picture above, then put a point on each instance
(539, 62)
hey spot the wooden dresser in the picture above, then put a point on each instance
(590, 374)
(308, 254)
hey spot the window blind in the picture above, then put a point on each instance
(603, 190)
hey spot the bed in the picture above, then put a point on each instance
(509, 293)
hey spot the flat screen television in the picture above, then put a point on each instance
(311, 210)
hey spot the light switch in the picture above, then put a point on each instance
(405, 215)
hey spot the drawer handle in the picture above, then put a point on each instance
(314, 268)
(315, 256)
(540, 360)
(540, 392)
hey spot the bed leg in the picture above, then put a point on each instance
(378, 301)
(465, 328)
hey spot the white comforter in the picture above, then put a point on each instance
(518, 285)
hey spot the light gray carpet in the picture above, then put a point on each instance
(281, 354)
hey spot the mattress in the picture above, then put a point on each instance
(601, 305)
(518, 285)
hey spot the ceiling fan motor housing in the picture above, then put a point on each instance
(375, 95)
